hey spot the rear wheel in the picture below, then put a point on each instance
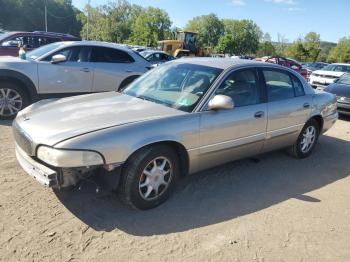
(307, 140)
(12, 100)
(149, 177)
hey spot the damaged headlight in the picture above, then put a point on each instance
(68, 158)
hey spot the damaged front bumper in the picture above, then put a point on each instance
(65, 177)
(41, 173)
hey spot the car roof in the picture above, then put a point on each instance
(222, 63)
(98, 43)
(344, 64)
(42, 33)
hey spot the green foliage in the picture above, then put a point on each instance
(225, 44)
(312, 42)
(266, 48)
(150, 26)
(209, 28)
(29, 16)
(305, 49)
(340, 53)
(297, 51)
(245, 35)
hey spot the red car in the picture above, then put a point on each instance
(9, 41)
(286, 62)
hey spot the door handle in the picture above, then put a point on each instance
(259, 114)
(306, 105)
(129, 71)
(85, 69)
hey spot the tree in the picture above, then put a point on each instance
(312, 44)
(111, 22)
(296, 50)
(209, 29)
(340, 53)
(245, 36)
(27, 15)
(281, 45)
(266, 48)
(150, 26)
(225, 44)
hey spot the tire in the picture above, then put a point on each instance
(134, 186)
(302, 148)
(12, 100)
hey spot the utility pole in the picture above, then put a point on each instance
(87, 22)
(45, 16)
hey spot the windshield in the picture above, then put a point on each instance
(345, 79)
(337, 68)
(43, 50)
(180, 86)
(4, 35)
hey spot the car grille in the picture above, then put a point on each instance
(22, 139)
(343, 99)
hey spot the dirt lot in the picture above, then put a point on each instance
(273, 208)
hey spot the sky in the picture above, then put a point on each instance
(290, 18)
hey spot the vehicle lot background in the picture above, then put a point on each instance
(272, 208)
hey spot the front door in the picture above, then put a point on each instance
(226, 135)
(72, 76)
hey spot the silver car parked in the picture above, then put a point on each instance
(182, 117)
(65, 69)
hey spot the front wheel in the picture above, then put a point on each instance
(307, 140)
(149, 177)
(12, 100)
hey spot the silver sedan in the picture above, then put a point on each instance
(182, 117)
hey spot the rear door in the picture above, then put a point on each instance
(111, 67)
(288, 108)
(226, 135)
(73, 76)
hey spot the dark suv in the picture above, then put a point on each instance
(9, 41)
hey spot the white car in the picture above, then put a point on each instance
(321, 78)
(64, 69)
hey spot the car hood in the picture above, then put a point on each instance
(328, 73)
(339, 89)
(52, 121)
(8, 61)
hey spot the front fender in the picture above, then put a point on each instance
(116, 144)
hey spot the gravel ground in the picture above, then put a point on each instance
(271, 208)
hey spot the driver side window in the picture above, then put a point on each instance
(242, 87)
(73, 54)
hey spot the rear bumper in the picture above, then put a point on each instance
(41, 173)
(328, 121)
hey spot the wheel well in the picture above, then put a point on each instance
(127, 81)
(21, 80)
(180, 151)
(16, 81)
(319, 120)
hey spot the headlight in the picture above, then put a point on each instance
(68, 158)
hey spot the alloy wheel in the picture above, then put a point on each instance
(155, 178)
(10, 102)
(308, 139)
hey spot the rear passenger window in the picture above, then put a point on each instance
(298, 87)
(110, 55)
(242, 87)
(279, 85)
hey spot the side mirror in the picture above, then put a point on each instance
(58, 59)
(220, 102)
